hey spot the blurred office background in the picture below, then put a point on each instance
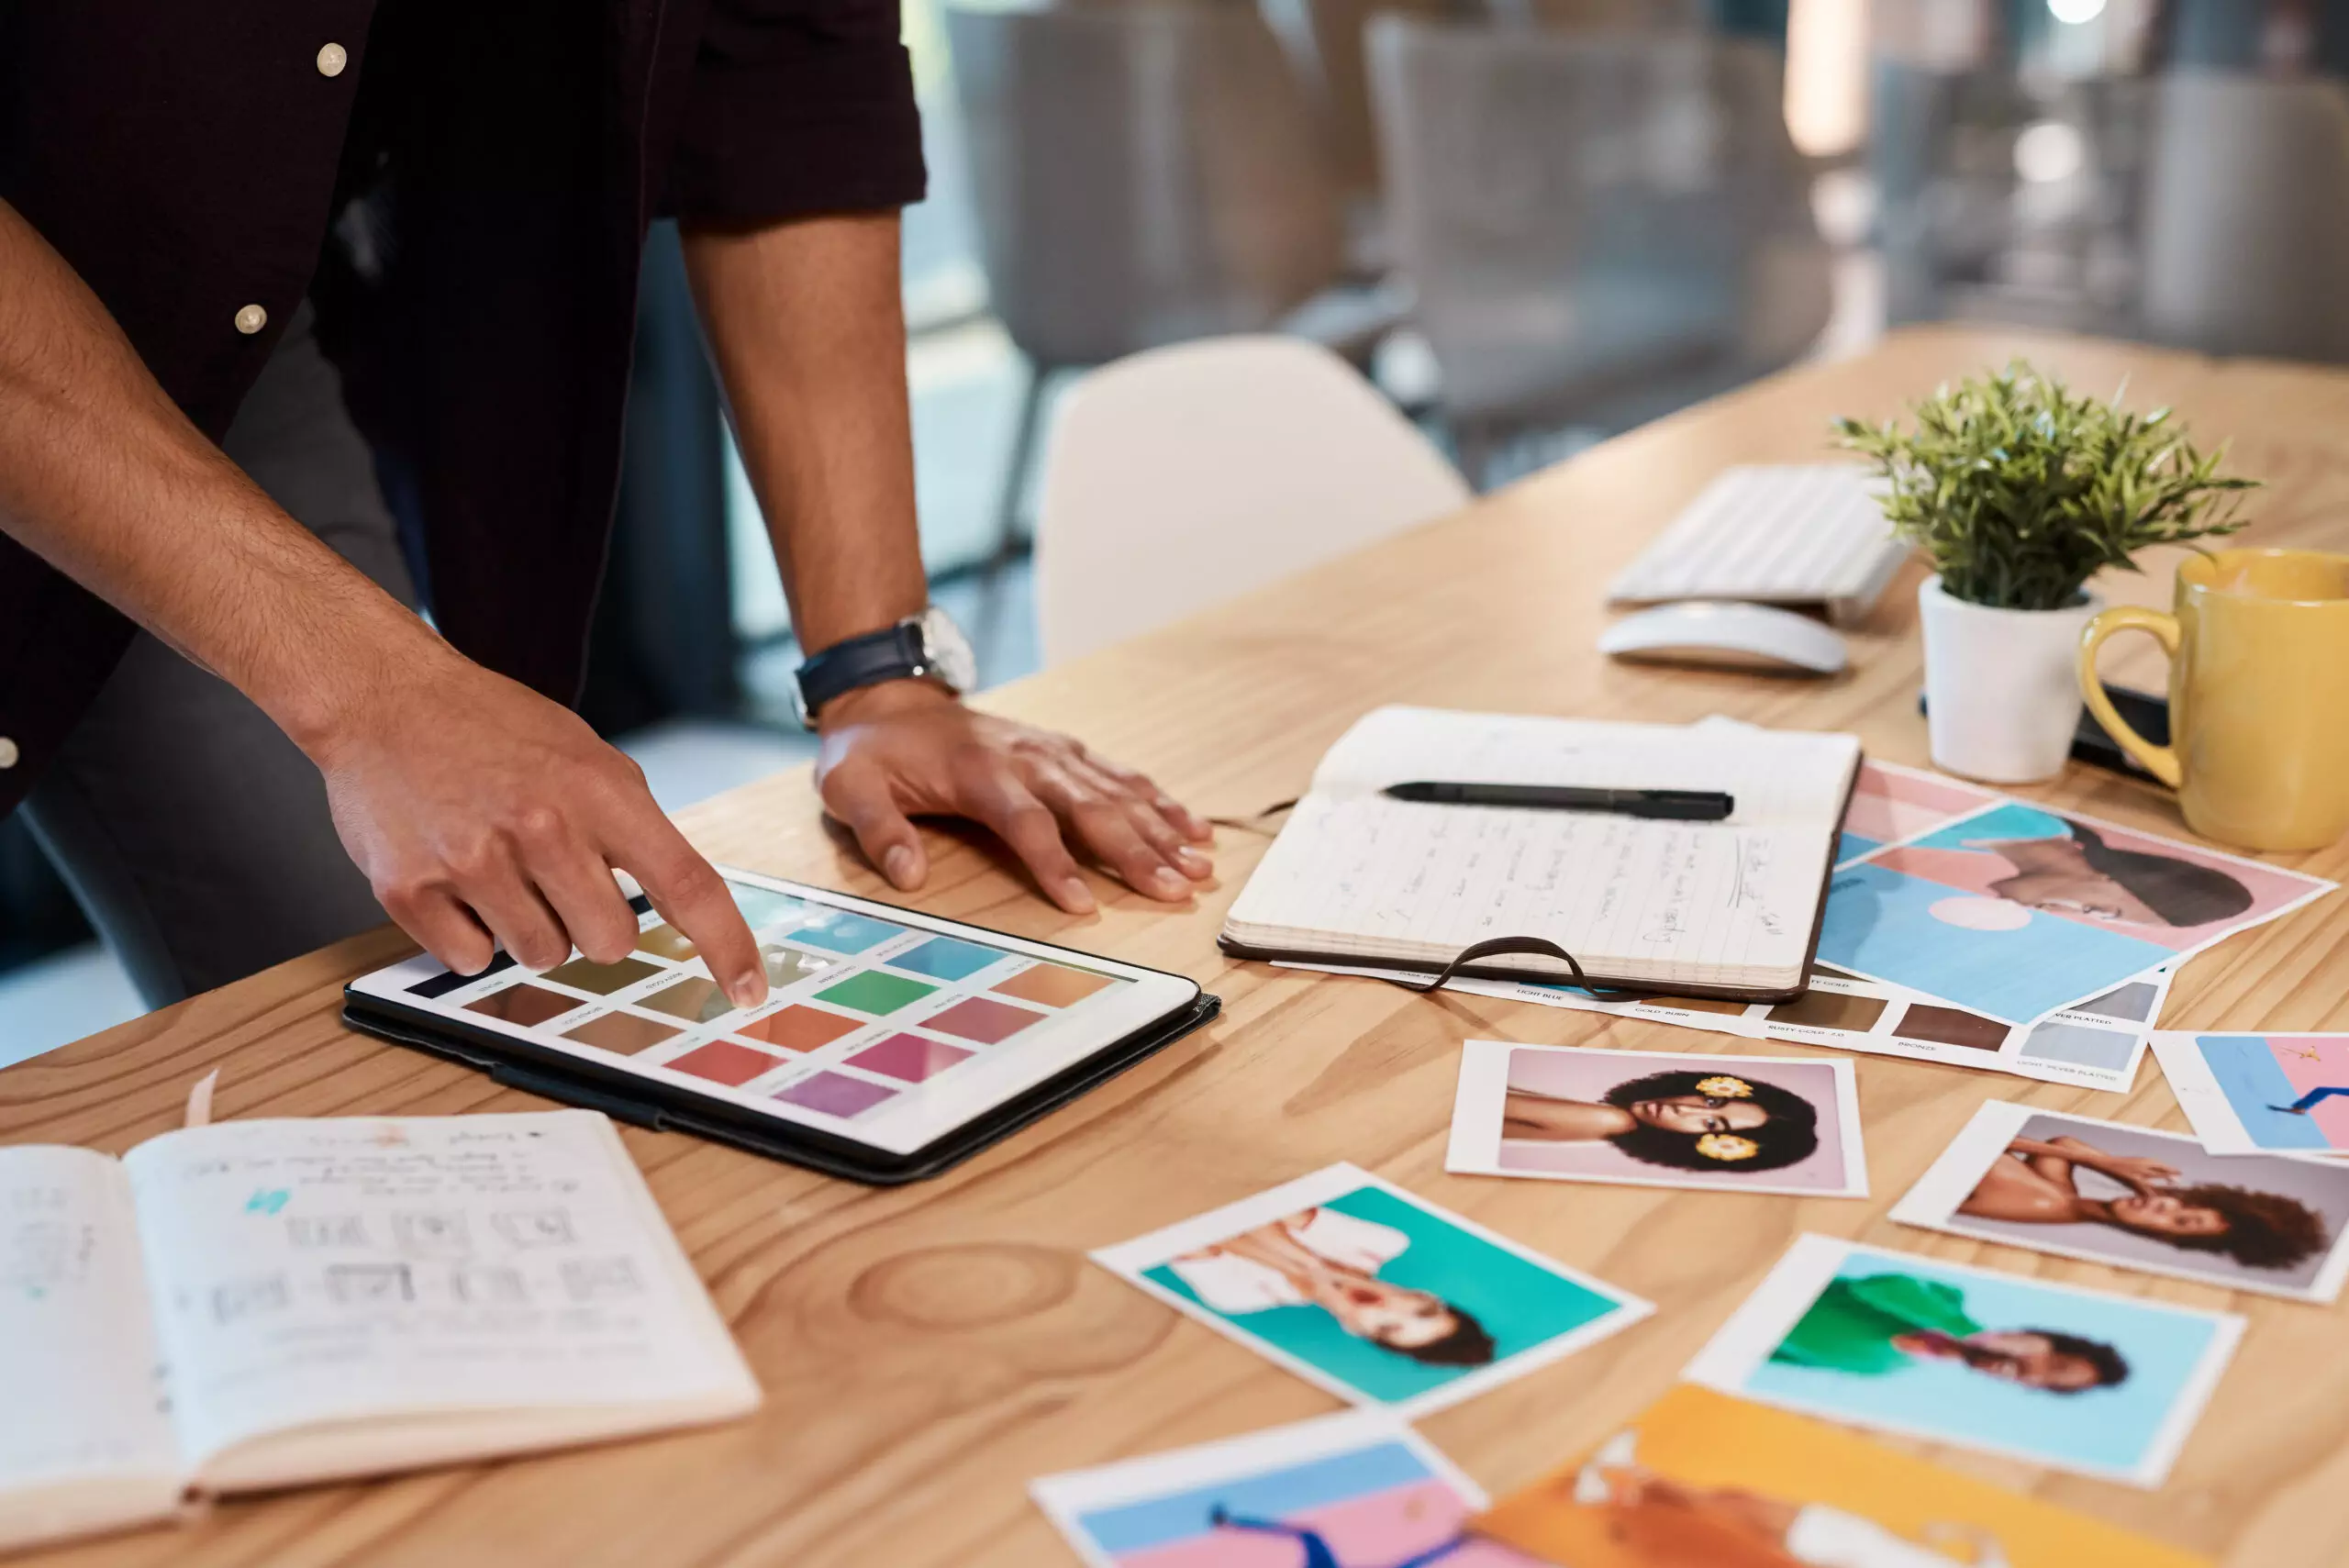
(1529, 223)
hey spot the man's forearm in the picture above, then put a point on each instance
(806, 325)
(104, 478)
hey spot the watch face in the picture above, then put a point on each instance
(948, 651)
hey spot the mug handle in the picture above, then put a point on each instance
(2159, 760)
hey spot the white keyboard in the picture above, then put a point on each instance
(1783, 534)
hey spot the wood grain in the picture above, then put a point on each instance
(927, 1350)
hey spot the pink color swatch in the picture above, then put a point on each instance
(985, 1021)
(908, 1057)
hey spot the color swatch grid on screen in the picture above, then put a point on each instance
(861, 1010)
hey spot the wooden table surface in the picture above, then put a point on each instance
(927, 1350)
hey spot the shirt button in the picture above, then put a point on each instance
(251, 319)
(332, 59)
(7, 752)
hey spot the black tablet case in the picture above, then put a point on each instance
(626, 1097)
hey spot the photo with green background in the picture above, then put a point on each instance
(1521, 1304)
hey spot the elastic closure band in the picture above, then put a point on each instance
(1495, 946)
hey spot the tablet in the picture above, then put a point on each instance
(891, 1044)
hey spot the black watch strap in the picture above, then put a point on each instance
(893, 653)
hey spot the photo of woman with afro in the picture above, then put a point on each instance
(2140, 1198)
(1709, 1120)
(2037, 1182)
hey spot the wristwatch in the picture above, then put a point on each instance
(927, 647)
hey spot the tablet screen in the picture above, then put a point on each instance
(880, 1026)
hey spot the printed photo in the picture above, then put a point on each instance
(1704, 1481)
(1664, 1120)
(1890, 803)
(1372, 1294)
(2087, 1381)
(1359, 1490)
(2248, 1094)
(2097, 1044)
(2139, 1199)
(2018, 912)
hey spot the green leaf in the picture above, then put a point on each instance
(2020, 491)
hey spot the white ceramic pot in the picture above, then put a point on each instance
(2002, 692)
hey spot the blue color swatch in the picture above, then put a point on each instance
(943, 958)
(761, 908)
(839, 931)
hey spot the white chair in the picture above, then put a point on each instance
(2247, 226)
(1140, 175)
(1184, 475)
(1599, 228)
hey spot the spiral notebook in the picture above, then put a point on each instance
(1728, 908)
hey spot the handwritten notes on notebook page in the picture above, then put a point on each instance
(376, 1292)
(259, 1303)
(85, 1443)
(1731, 903)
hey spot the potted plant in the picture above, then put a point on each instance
(2020, 491)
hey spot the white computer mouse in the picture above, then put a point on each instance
(1707, 632)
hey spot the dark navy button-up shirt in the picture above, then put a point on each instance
(467, 185)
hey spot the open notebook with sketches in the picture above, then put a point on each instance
(260, 1303)
(1725, 908)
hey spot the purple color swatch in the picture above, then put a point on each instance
(834, 1094)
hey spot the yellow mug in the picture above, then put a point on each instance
(2258, 695)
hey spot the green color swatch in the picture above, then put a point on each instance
(874, 992)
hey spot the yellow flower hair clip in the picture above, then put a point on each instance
(1726, 1088)
(1727, 1147)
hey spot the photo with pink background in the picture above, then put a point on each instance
(1372, 1531)
(1974, 870)
(2317, 1062)
(1566, 1075)
(1887, 805)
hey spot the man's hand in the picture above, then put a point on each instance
(481, 811)
(806, 322)
(478, 809)
(906, 749)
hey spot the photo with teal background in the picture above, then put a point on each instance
(1881, 922)
(2109, 1428)
(1520, 1303)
